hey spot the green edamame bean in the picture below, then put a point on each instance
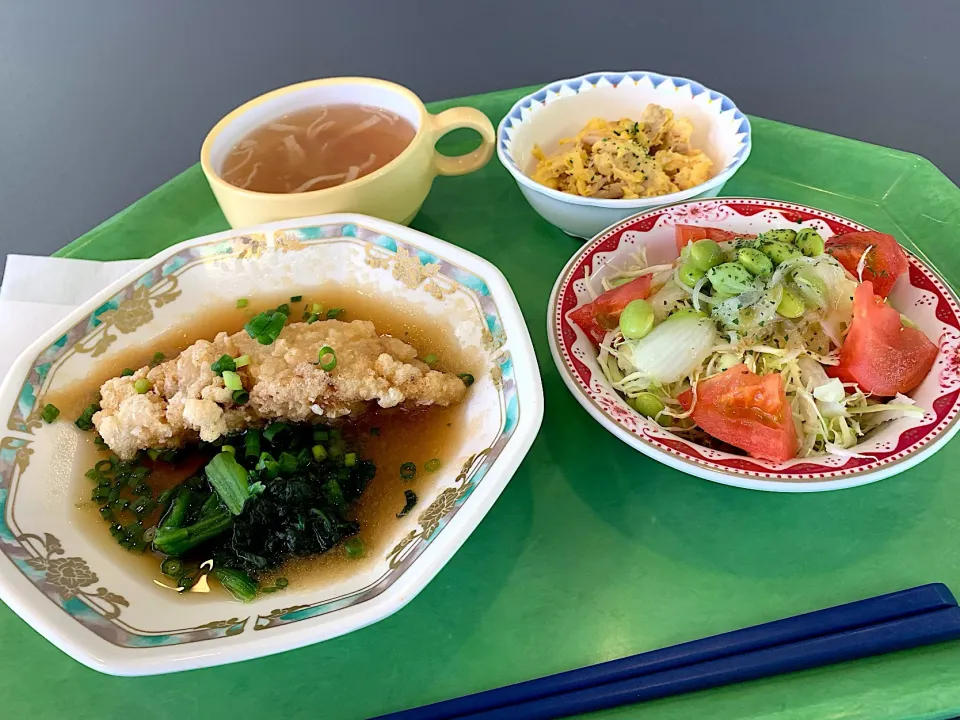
(790, 305)
(779, 251)
(780, 235)
(705, 254)
(636, 320)
(730, 278)
(690, 274)
(755, 261)
(647, 404)
(810, 287)
(686, 312)
(810, 242)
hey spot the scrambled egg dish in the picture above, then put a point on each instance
(626, 159)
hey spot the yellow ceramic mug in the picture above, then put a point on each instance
(394, 192)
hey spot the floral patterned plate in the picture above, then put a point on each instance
(921, 294)
(81, 592)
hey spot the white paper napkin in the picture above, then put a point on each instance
(38, 291)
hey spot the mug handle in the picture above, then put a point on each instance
(454, 119)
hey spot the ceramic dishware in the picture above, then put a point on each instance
(561, 109)
(79, 589)
(395, 192)
(891, 449)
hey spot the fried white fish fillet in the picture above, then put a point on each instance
(188, 399)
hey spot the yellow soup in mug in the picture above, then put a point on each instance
(385, 145)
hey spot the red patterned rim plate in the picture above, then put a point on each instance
(921, 295)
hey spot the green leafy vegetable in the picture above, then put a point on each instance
(230, 481)
(177, 541)
(237, 582)
(411, 498)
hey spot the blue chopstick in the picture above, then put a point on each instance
(922, 599)
(901, 634)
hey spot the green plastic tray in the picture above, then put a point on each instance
(593, 551)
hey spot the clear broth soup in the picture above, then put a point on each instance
(317, 148)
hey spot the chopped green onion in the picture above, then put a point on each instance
(157, 359)
(350, 459)
(127, 372)
(408, 471)
(281, 582)
(432, 465)
(50, 413)
(375, 431)
(229, 480)
(272, 430)
(296, 298)
(335, 434)
(223, 363)
(142, 385)
(310, 318)
(266, 327)
(240, 397)
(321, 436)
(171, 567)
(354, 547)
(153, 454)
(85, 421)
(319, 453)
(467, 378)
(316, 308)
(230, 449)
(411, 498)
(241, 361)
(431, 359)
(334, 313)
(330, 362)
(252, 443)
(232, 381)
(242, 303)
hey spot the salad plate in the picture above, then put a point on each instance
(863, 435)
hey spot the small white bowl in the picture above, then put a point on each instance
(78, 590)
(561, 109)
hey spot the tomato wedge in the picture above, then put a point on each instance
(879, 354)
(746, 410)
(597, 318)
(885, 262)
(692, 233)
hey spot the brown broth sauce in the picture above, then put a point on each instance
(404, 435)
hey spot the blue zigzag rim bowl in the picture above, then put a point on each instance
(79, 591)
(562, 108)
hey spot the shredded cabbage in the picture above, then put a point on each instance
(686, 346)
